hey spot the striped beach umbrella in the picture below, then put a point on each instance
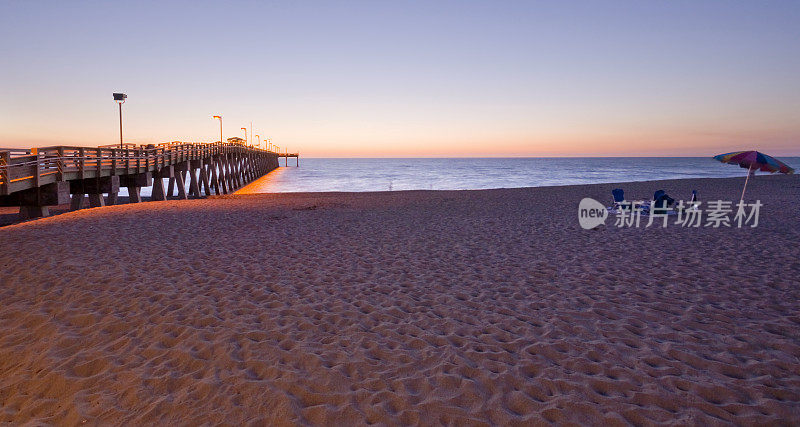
(753, 161)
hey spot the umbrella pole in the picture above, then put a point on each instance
(745, 181)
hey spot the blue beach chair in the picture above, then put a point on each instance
(619, 200)
(662, 202)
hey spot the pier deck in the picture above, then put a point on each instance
(39, 177)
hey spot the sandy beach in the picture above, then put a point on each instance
(415, 307)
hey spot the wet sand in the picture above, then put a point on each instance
(451, 307)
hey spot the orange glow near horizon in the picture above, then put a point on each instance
(564, 145)
(384, 132)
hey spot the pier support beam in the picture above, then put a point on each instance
(214, 178)
(94, 187)
(180, 173)
(158, 193)
(223, 175)
(134, 183)
(78, 202)
(200, 164)
(30, 212)
(34, 202)
(194, 187)
(112, 198)
(227, 174)
(96, 200)
(235, 183)
(134, 194)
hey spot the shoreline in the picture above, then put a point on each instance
(446, 306)
(8, 214)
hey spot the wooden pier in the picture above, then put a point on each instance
(287, 155)
(36, 178)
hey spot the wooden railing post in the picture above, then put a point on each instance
(113, 162)
(37, 169)
(5, 160)
(99, 162)
(60, 163)
(82, 164)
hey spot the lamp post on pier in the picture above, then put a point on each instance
(245, 136)
(120, 98)
(258, 138)
(220, 127)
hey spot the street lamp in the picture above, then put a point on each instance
(245, 136)
(258, 138)
(220, 127)
(120, 98)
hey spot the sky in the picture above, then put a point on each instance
(406, 78)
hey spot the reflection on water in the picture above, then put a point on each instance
(458, 174)
(268, 183)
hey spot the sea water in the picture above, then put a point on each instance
(392, 174)
(357, 174)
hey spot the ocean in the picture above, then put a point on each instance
(351, 174)
(393, 174)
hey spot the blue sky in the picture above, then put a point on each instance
(408, 78)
